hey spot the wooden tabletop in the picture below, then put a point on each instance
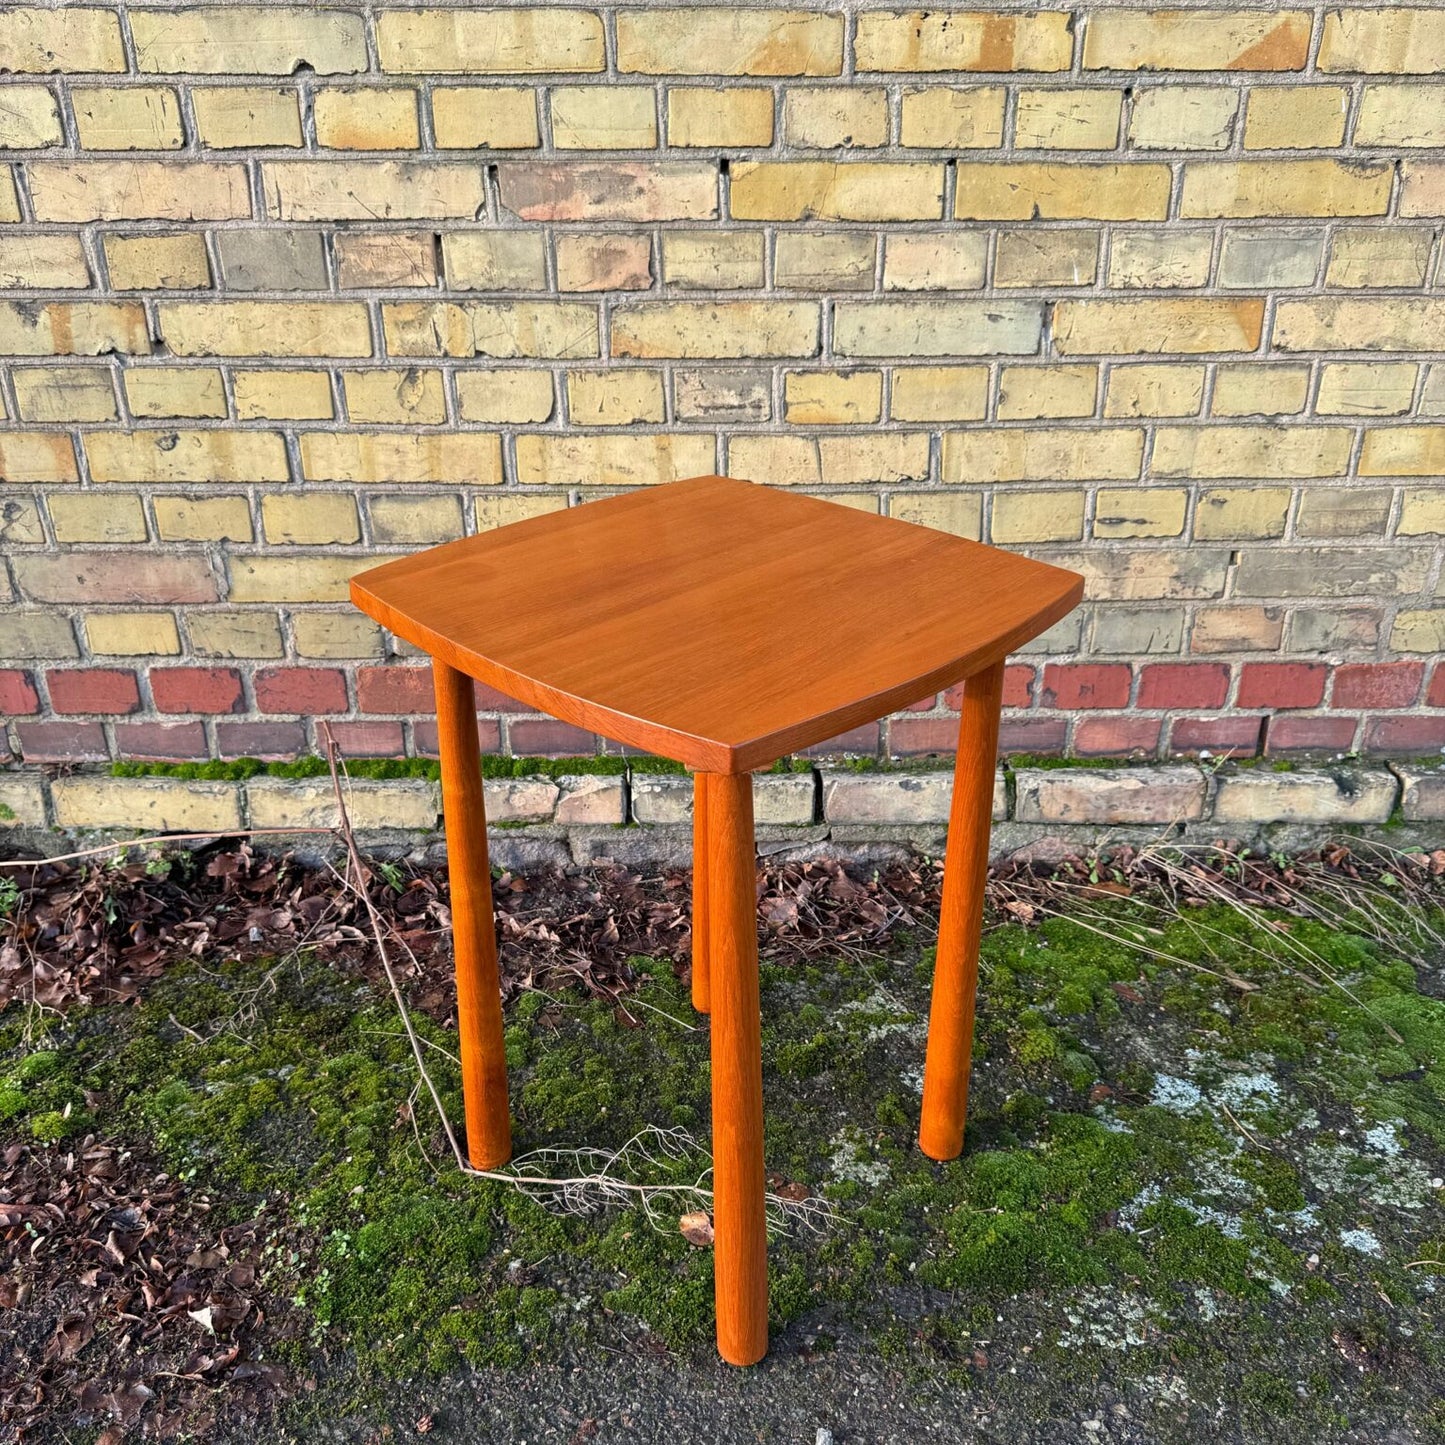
(715, 621)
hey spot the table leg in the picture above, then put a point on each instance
(701, 983)
(960, 924)
(740, 1250)
(479, 997)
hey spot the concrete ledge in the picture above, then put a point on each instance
(646, 818)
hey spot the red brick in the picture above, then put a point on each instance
(18, 697)
(1281, 684)
(424, 735)
(490, 700)
(92, 689)
(1377, 684)
(161, 742)
(1086, 684)
(1032, 735)
(368, 739)
(62, 742)
(924, 704)
(1238, 736)
(405, 690)
(307, 690)
(1117, 737)
(1418, 734)
(271, 740)
(865, 741)
(912, 736)
(1436, 696)
(197, 689)
(1183, 684)
(1310, 733)
(1018, 688)
(544, 737)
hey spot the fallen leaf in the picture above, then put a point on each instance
(696, 1228)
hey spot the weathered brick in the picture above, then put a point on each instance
(93, 517)
(1253, 388)
(713, 260)
(485, 117)
(1029, 393)
(1057, 119)
(469, 457)
(570, 460)
(234, 633)
(934, 261)
(603, 263)
(722, 41)
(281, 395)
(940, 117)
(832, 398)
(22, 801)
(937, 328)
(203, 519)
(1140, 512)
(76, 39)
(940, 393)
(131, 634)
(409, 520)
(827, 191)
(272, 260)
(1183, 118)
(178, 391)
(1311, 733)
(38, 636)
(43, 262)
(63, 393)
(335, 635)
(37, 457)
(1194, 40)
(234, 117)
(716, 329)
(1285, 188)
(1296, 117)
(1154, 390)
(617, 397)
(902, 797)
(1046, 258)
(721, 116)
(265, 328)
(824, 260)
(1109, 796)
(609, 191)
(1329, 630)
(825, 460)
(1348, 323)
(716, 394)
(1020, 517)
(1228, 513)
(1066, 191)
(513, 395)
(1366, 388)
(1117, 737)
(835, 116)
(1377, 685)
(31, 120)
(502, 329)
(295, 579)
(1372, 256)
(1237, 628)
(1145, 574)
(1358, 512)
(369, 118)
(1244, 451)
(603, 117)
(148, 805)
(1070, 685)
(489, 42)
(1257, 261)
(337, 190)
(124, 577)
(149, 190)
(1384, 40)
(1041, 454)
(1176, 325)
(92, 690)
(136, 118)
(1340, 795)
(62, 742)
(385, 259)
(1139, 260)
(1126, 632)
(311, 519)
(923, 40)
(1403, 451)
(1422, 793)
(157, 263)
(412, 396)
(72, 328)
(958, 512)
(18, 697)
(186, 456)
(1330, 572)
(247, 40)
(1422, 511)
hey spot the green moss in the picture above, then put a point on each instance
(493, 766)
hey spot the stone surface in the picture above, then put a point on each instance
(1422, 796)
(895, 797)
(1109, 795)
(150, 805)
(1332, 796)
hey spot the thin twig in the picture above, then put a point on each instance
(156, 839)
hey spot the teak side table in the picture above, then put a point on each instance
(721, 624)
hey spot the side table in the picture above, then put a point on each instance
(721, 624)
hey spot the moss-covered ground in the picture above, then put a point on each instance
(1201, 1196)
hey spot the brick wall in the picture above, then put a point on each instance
(1156, 294)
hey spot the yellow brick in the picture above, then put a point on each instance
(386, 258)
(939, 393)
(370, 118)
(1139, 260)
(335, 635)
(150, 804)
(1046, 258)
(30, 119)
(1383, 40)
(944, 118)
(824, 191)
(64, 393)
(84, 328)
(502, 511)
(866, 459)
(473, 457)
(611, 461)
(512, 395)
(824, 260)
(1404, 451)
(1073, 120)
(1027, 393)
(603, 117)
(712, 260)
(1391, 255)
(1296, 117)
(37, 457)
(413, 521)
(1025, 191)
(9, 201)
(1188, 40)
(175, 391)
(312, 519)
(725, 41)
(1140, 512)
(1240, 513)
(1122, 327)
(1285, 188)
(1018, 517)
(918, 328)
(504, 329)
(617, 397)
(1363, 388)
(1251, 451)
(937, 261)
(186, 456)
(1153, 390)
(1343, 512)
(1258, 389)
(923, 40)
(72, 39)
(721, 329)
(485, 117)
(126, 190)
(958, 512)
(373, 190)
(266, 328)
(411, 396)
(132, 634)
(702, 116)
(832, 397)
(1042, 454)
(247, 40)
(157, 263)
(1183, 118)
(835, 116)
(282, 395)
(1405, 323)
(91, 517)
(240, 634)
(489, 42)
(238, 117)
(136, 118)
(1400, 115)
(603, 263)
(203, 519)
(1422, 511)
